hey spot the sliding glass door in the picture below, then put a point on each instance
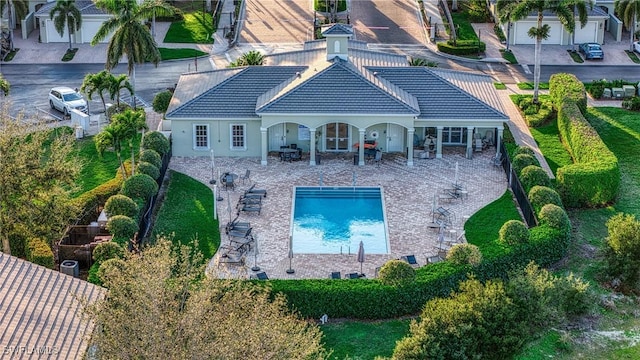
(337, 137)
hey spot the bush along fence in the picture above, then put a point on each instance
(593, 179)
(545, 244)
(516, 187)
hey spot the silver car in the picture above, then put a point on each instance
(64, 99)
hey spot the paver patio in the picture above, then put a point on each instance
(408, 198)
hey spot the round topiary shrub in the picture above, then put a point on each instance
(554, 216)
(144, 167)
(465, 254)
(152, 157)
(524, 150)
(540, 196)
(521, 161)
(514, 232)
(121, 226)
(396, 273)
(120, 205)
(106, 251)
(139, 186)
(534, 175)
(161, 101)
(156, 141)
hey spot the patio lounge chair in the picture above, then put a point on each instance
(336, 275)
(252, 190)
(251, 208)
(246, 176)
(242, 244)
(410, 259)
(239, 233)
(249, 200)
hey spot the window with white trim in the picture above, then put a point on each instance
(200, 137)
(238, 137)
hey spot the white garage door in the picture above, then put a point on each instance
(522, 29)
(53, 36)
(589, 33)
(89, 30)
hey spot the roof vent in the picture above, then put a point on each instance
(298, 74)
(375, 73)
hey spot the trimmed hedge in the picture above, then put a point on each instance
(514, 232)
(521, 161)
(39, 252)
(152, 157)
(149, 169)
(397, 273)
(533, 175)
(463, 47)
(121, 205)
(540, 196)
(139, 186)
(91, 199)
(594, 178)
(155, 140)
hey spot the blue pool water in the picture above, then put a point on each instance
(328, 220)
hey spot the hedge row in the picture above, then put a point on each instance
(39, 252)
(462, 47)
(594, 178)
(370, 299)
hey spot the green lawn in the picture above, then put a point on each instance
(464, 29)
(363, 340)
(184, 53)
(96, 169)
(548, 139)
(529, 86)
(187, 210)
(195, 28)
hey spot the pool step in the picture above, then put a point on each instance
(338, 192)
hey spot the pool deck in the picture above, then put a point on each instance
(408, 197)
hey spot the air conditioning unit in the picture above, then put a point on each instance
(606, 93)
(70, 267)
(629, 90)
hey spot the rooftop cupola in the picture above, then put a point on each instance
(337, 37)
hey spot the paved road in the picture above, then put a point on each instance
(387, 21)
(277, 21)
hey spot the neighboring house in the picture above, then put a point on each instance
(40, 315)
(92, 18)
(329, 97)
(593, 31)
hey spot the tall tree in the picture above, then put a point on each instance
(629, 11)
(97, 83)
(38, 170)
(160, 305)
(110, 138)
(564, 10)
(118, 83)
(130, 36)
(129, 123)
(66, 14)
(251, 58)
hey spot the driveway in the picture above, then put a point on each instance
(281, 21)
(387, 22)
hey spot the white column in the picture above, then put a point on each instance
(263, 135)
(500, 130)
(361, 147)
(312, 146)
(439, 142)
(410, 132)
(469, 141)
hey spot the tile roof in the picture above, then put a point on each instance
(338, 29)
(316, 91)
(39, 310)
(86, 7)
(438, 97)
(232, 93)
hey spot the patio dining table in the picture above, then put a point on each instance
(285, 153)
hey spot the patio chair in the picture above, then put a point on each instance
(228, 182)
(378, 158)
(336, 275)
(246, 176)
(296, 155)
(254, 191)
(352, 276)
(410, 259)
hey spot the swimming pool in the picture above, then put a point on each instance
(333, 220)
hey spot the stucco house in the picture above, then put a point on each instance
(92, 18)
(330, 97)
(593, 31)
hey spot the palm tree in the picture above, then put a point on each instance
(17, 8)
(119, 83)
(65, 13)
(564, 10)
(629, 11)
(97, 83)
(251, 58)
(109, 138)
(130, 36)
(128, 124)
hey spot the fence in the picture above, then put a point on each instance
(516, 187)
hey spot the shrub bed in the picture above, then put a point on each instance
(594, 178)
(462, 47)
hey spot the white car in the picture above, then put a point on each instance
(636, 46)
(64, 99)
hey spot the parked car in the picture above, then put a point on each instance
(64, 99)
(636, 46)
(591, 51)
